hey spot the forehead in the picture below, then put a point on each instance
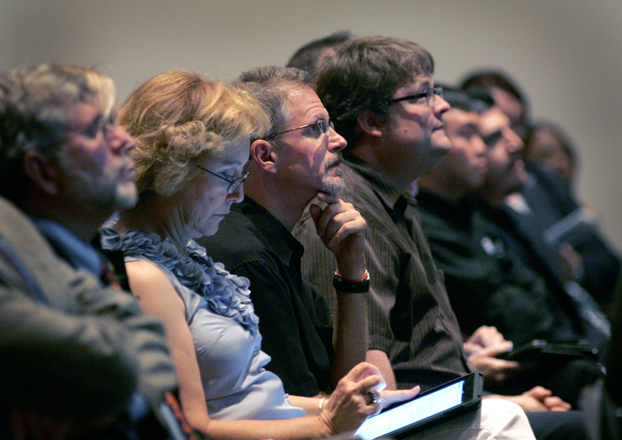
(419, 83)
(81, 115)
(305, 106)
(509, 104)
(493, 120)
(546, 136)
(455, 119)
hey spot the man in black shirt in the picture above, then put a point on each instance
(297, 160)
(487, 283)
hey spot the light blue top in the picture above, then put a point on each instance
(223, 324)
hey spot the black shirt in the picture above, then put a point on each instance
(294, 319)
(487, 282)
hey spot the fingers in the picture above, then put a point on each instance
(487, 336)
(327, 198)
(485, 359)
(554, 403)
(336, 221)
(367, 381)
(362, 370)
(538, 392)
(371, 397)
(389, 397)
(496, 349)
(471, 348)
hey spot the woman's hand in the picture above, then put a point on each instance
(355, 398)
(391, 397)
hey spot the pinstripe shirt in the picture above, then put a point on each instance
(410, 318)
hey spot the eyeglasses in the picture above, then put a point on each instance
(234, 183)
(429, 95)
(322, 127)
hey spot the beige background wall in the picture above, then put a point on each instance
(565, 54)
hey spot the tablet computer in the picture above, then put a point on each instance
(428, 409)
(543, 351)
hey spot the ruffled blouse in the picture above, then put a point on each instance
(223, 325)
(226, 294)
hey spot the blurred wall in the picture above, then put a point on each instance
(565, 54)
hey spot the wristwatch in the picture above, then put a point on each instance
(346, 286)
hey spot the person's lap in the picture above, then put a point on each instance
(495, 420)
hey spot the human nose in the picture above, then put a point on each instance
(120, 140)
(440, 106)
(514, 142)
(479, 145)
(238, 195)
(336, 142)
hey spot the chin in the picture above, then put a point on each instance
(332, 185)
(126, 198)
(212, 228)
(440, 141)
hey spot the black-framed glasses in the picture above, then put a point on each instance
(234, 183)
(322, 126)
(429, 95)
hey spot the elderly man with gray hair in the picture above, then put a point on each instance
(79, 358)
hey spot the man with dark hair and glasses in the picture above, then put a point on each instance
(382, 97)
(296, 161)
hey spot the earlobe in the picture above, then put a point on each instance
(370, 124)
(264, 155)
(42, 172)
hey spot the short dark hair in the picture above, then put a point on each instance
(272, 87)
(488, 79)
(307, 56)
(363, 74)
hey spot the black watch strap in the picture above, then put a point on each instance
(361, 286)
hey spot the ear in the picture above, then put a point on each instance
(371, 124)
(264, 155)
(42, 171)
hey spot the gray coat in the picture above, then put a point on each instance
(68, 345)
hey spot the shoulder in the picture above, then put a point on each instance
(237, 241)
(21, 236)
(147, 279)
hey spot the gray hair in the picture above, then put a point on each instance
(35, 105)
(272, 86)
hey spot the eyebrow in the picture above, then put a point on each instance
(470, 126)
(229, 162)
(492, 136)
(423, 86)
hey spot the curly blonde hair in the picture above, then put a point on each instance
(179, 117)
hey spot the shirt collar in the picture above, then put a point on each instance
(276, 235)
(77, 253)
(381, 185)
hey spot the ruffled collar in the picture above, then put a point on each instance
(226, 294)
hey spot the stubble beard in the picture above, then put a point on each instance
(333, 184)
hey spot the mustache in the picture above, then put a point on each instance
(334, 162)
